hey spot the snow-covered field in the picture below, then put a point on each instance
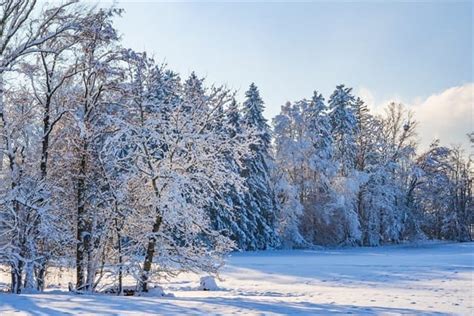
(430, 279)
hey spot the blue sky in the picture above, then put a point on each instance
(397, 50)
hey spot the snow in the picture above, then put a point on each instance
(429, 278)
(208, 283)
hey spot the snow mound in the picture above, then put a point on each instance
(156, 291)
(208, 283)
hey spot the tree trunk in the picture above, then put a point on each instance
(17, 266)
(40, 275)
(81, 248)
(365, 227)
(16, 272)
(45, 140)
(30, 283)
(120, 261)
(92, 263)
(40, 272)
(150, 252)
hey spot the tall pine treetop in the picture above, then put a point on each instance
(253, 108)
(361, 112)
(341, 97)
(233, 118)
(341, 109)
(253, 113)
(194, 92)
(317, 102)
(162, 89)
(344, 127)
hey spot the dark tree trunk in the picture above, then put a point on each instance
(150, 252)
(40, 275)
(16, 272)
(45, 140)
(81, 248)
(120, 257)
(119, 243)
(16, 267)
(364, 218)
(41, 271)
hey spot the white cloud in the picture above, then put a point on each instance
(375, 106)
(368, 97)
(447, 115)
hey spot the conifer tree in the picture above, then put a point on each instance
(344, 128)
(260, 205)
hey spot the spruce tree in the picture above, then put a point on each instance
(260, 206)
(319, 132)
(344, 133)
(344, 128)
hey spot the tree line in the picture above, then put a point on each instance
(114, 165)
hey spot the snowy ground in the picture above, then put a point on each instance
(433, 279)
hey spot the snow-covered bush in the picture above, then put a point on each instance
(208, 283)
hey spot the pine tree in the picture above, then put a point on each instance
(227, 216)
(194, 94)
(259, 218)
(344, 134)
(319, 132)
(344, 128)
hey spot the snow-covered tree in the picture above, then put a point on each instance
(289, 210)
(344, 128)
(29, 32)
(258, 216)
(97, 57)
(344, 131)
(27, 28)
(302, 155)
(179, 169)
(443, 193)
